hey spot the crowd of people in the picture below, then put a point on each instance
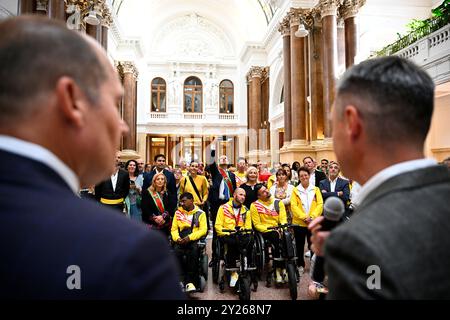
(60, 127)
(167, 198)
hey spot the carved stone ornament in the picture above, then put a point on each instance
(255, 72)
(350, 8)
(129, 67)
(107, 19)
(298, 16)
(285, 27)
(329, 7)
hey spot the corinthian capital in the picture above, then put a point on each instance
(107, 19)
(350, 8)
(128, 67)
(255, 72)
(297, 16)
(329, 7)
(285, 27)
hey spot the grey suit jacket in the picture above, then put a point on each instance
(403, 227)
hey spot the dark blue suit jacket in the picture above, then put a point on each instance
(341, 185)
(217, 178)
(171, 187)
(45, 228)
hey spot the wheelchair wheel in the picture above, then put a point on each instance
(222, 286)
(204, 266)
(244, 286)
(216, 263)
(202, 283)
(259, 254)
(292, 279)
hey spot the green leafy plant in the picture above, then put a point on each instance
(418, 29)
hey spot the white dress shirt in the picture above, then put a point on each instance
(333, 185)
(114, 180)
(38, 153)
(307, 196)
(390, 172)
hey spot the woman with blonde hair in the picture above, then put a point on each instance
(251, 194)
(156, 208)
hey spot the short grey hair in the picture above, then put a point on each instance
(394, 96)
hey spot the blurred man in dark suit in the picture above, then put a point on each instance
(395, 246)
(112, 192)
(60, 128)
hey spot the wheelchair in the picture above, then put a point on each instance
(221, 273)
(202, 273)
(288, 257)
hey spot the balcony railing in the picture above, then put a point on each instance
(431, 25)
(193, 116)
(189, 117)
(223, 116)
(429, 48)
(158, 115)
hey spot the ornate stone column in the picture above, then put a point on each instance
(316, 74)
(298, 82)
(94, 31)
(130, 74)
(285, 30)
(56, 10)
(349, 11)
(27, 6)
(105, 25)
(328, 10)
(254, 115)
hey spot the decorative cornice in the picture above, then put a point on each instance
(125, 67)
(350, 8)
(329, 7)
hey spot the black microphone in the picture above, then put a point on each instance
(333, 210)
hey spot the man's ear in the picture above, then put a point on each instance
(71, 101)
(353, 122)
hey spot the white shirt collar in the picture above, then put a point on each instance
(43, 155)
(389, 172)
(310, 187)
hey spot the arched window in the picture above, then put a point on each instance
(226, 97)
(158, 95)
(193, 95)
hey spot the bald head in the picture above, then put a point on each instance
(239, 196)
(35, 52)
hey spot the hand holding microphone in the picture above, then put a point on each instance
(333, 209)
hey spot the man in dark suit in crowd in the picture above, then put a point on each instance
(335, 186)
(60, 126)
(113, 191)
(160, 166)
(221, 190)
(315, 176)
(395, 246)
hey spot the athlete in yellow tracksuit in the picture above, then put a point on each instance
(232, 215)
(306, 205)
(188, 226)
(265, 215)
